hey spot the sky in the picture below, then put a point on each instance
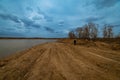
(55, 18)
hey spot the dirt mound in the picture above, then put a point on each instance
(60, 61)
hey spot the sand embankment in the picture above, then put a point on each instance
(62, 61)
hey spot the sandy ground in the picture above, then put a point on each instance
(62, 61)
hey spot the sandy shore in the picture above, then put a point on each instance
(63, 61)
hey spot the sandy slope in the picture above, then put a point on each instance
(61, 61)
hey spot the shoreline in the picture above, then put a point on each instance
(12, 46)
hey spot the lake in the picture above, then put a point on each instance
(11, 46)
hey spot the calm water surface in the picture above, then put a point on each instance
(8, 46)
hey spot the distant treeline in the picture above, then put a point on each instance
(91, 31)
(27, 38)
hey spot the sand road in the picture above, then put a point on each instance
(60, 61)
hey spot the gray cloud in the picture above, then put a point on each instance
(59, 17)
(29, 9)
(36, 25)
(61, 23)
(48, 18)
(49, 29)
(117, 25)
(2, 8)
(105, 3)
(10, 17)
(36, 18)
(10, 34)
(30, 23)
(27, 22)
(93, 19)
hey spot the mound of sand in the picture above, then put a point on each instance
(60, 61)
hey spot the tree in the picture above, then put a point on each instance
(93, 30)
(118, 35)
(79, 32)
(105, 32)
(87, 31)
(108, 31)
(90, 31)
(71, 34)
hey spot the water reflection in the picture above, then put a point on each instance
(8, 47)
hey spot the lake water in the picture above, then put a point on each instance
(11, 46)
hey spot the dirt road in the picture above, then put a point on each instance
(60, 61)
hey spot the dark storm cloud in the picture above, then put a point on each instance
(10, 17)
(61, 23)
(49, 29)
(2, 8)
(29, 9)
(37, 18)
(36, 25)
(39, 11)
(10, 34)
(117, 25)
(30, 23)
(93, 19)
(32, 15)
(48, 18)
(27, 22)
(105, 3)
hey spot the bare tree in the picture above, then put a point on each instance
(93, 30)
(108, 31)
(105, 31)
(90, 30)
(79, 32)
(87, 31)
(118, 35)
(71, 34)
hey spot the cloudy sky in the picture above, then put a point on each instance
(54, 18)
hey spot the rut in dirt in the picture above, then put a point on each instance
(59, 61)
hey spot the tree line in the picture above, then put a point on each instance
(91, 31)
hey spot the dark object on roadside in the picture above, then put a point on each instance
(75, 42)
